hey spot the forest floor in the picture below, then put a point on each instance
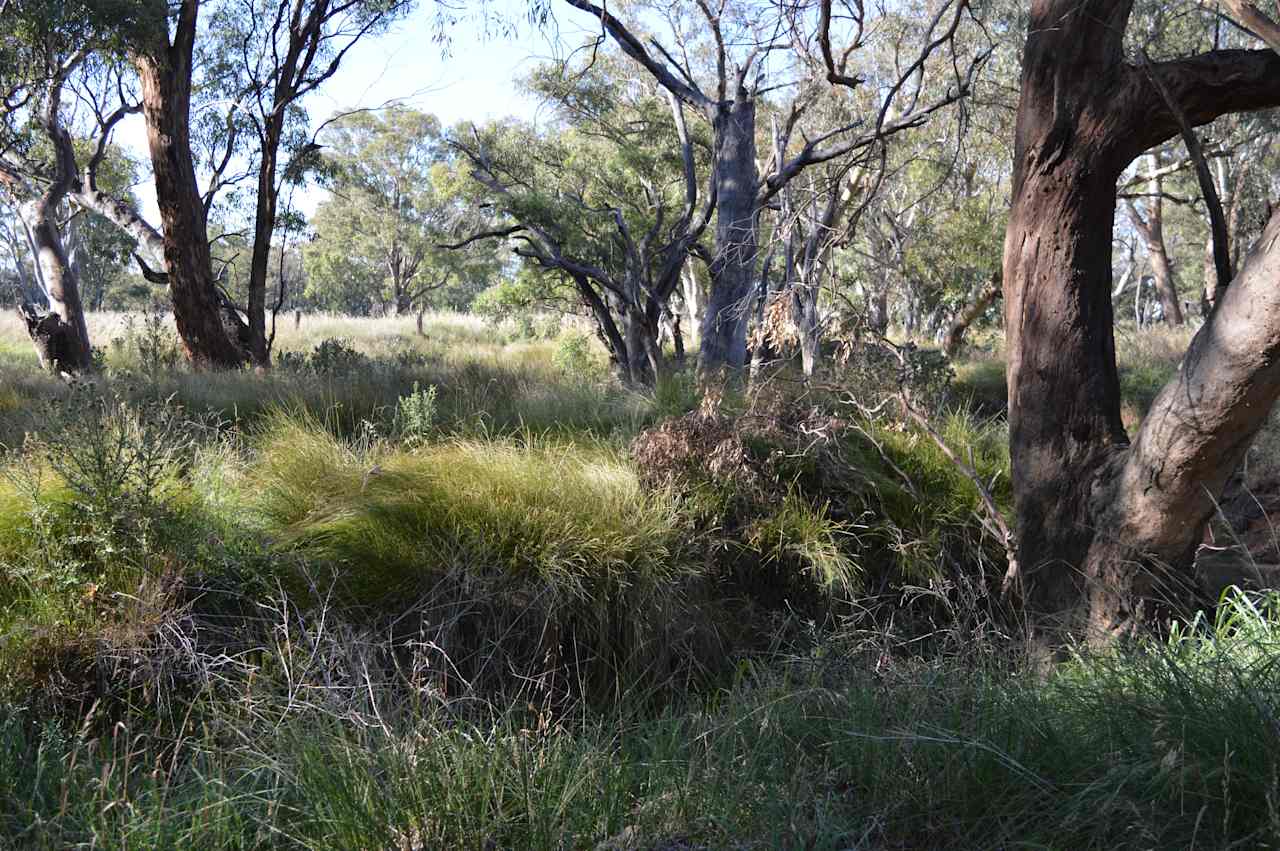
(459, 590)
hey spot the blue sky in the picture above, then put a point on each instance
(473, 78)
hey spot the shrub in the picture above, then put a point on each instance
(415, 416)
(147, 344)
(577, 356)
(333, 356)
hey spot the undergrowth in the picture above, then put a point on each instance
(417, 593)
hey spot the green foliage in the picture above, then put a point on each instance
(573, 519)
(802, 537)
(855, 744)
(378, 240)
(578, 356)
(147, 345)
(331, 357)
(460, 634)
(416, 415)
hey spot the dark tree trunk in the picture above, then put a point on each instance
(263, 229)
(404, 301)
(1081, 495)
(677, 338)
(723, 338)
(639, 372)
(164, 71)
(878, 310)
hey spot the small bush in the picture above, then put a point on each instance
(333, 356)
(147, 345)
(577, 357)
(416, 415)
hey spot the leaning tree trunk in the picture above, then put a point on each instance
(971, 313)
(60, 334)
(165, 74)
(723, 338)
(1103, 529)
(1165, 488)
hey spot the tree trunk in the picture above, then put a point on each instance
(810, 348)
(164, 71)
(692, 297)
(1094, 518)
(878, 309)
(1151, 229)
(724, 326)
(970, 314)
(263, 229)
(404, 301)
(641, 345)
(677, 338)
(61, 337)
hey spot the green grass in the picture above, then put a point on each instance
(322, 631)
(1158, 747)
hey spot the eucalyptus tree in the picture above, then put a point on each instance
(1108, 525)
(1147, 217)
(609, 197)
(256, 60)
(724, 58)
(392, 204)
(161, 46)
(43, 46)
(266, 56)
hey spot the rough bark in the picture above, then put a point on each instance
(164, 70)
(733, 271)
(1084, 115)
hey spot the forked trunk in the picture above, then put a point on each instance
(1106, 533)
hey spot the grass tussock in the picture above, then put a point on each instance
(564, 514)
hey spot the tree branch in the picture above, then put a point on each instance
(632, 47)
